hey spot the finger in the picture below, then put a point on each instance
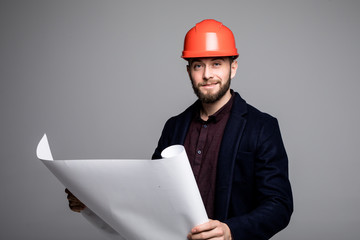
(69, 193)
(213, 234)
(73, 204)
(211, 224)
(73, 198)
(202, 238)
(77, 207)
(80, 207)
(208, 230)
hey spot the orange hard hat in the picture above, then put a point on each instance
(209, 38)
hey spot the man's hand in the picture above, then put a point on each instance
(213, 229)
(75, 204)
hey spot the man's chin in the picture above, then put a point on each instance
(208, 98)
(210, 92)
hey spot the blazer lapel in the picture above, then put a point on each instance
(182, 126)
(227, 155)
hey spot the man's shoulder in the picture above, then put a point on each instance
(254, 112)
(249, 111)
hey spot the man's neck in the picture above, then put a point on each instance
(209, 109)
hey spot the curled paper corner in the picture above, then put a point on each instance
(43, 150)
(172, 151)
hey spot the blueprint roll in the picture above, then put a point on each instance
(133, 198)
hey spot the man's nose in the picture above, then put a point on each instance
(207, 73)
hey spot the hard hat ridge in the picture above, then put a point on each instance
(208, 25)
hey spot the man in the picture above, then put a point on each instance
(235, 151)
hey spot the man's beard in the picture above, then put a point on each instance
(211, 98)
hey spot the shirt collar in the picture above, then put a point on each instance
(224, 110)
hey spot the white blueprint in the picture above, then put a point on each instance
(133, 199)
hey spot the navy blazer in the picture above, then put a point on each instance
(253, 193)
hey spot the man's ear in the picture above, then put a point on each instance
(234, 67)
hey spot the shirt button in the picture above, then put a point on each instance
(205, 126)
(199, 152)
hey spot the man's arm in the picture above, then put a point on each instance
(272, 191)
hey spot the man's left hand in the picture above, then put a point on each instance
(213, 229)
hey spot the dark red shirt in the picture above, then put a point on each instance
(202, 145)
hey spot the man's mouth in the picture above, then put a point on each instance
(209, 85)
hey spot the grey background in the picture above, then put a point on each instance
(101, 78)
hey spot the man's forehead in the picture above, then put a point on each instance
(206, 59)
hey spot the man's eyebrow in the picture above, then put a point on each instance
(195, 61)
(218, 58)
(211, 59)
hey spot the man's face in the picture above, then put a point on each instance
(211, 77)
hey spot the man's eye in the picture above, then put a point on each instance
(217, 64)
(197, 66)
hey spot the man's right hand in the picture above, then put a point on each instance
(75, 204)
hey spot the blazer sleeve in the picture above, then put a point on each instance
(272, 190)
(169, 136)
(174, 131)
(163, 141)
